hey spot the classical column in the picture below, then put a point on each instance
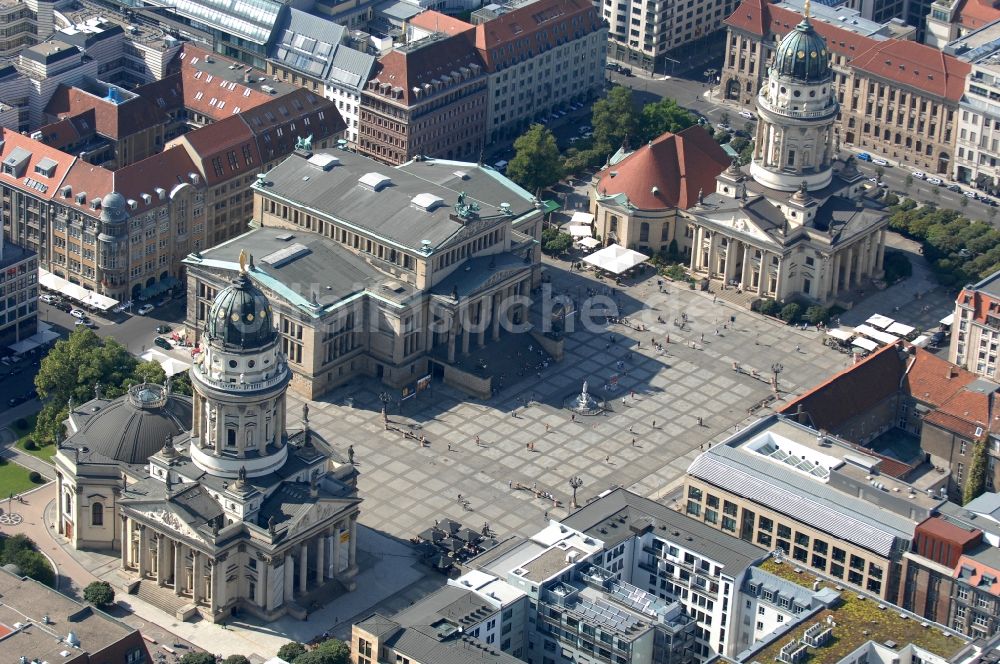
(496, 316)
(161, 560)
(196, 576)
(262, 582)
(125, 542)
(762, 274)
(303, 567)
(219, 594)
(466, 320)
(289, 577)
(695, 248)
(143, 550)
(60, 499)
(179, 568)
(744, 282)
(451, 338)
(320, 543)
(483, 318)
(880, 260)
(213, 584)
(337, 546)
(835, 288)
(220, 423)
(353, 544)
(712, 242)
(848, 268)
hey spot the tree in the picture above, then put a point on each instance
(909, 182)
(724, 117)
(769, 307)
(21, 551)
(290, 651)
(72, 369)
(236, 659)
(536, 163)
(332, 651)
(99, 593)
(613, 119)
(790, 312)
(663, 116)
(555, 242)
(198, 658)
(975, 483)
(879, 172)
(817, 314)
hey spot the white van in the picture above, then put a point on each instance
(501, 165)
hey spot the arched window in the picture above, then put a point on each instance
(67, 503)
(97, 514)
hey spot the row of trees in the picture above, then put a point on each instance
(537, 162)
(21, 551)
(958, 249)
(331, 651)
(73, 368)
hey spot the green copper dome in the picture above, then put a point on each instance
(240, 317)
(802, 55)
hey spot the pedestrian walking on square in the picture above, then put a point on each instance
(607, 459)
(630, 428)
(572, 417)
(449, 447)
(527, 446)
(477, 441)
(623, 401)
(633, 441)
(654, 424)
(547, 427)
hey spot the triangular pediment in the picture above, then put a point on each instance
(163, 515)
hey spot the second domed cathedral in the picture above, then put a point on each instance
(213, 504)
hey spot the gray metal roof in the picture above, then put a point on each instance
(252, 20)
(809, 501)
(389, 213)
(350, 68)
(605, 513)
(305, 42)
(457, 605)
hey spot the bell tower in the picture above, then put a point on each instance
(797, 110)
(239, 384)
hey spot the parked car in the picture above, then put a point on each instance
(864, 156)
(63, 306)
(723, 126)
(78, 313)
(746, 114)
(48, 299)
(584, 129)
(626, 71)
(878, 161)
(954, 187)
(935, 181)
(986, 200)
(144, 309)
(918, 174)
(162, 343)
(971, 194)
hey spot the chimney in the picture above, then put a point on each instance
(952, 372)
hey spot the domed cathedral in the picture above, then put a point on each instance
(795, 225)
(212, 504)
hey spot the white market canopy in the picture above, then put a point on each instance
(75, 291)
(170, 365)
(589, 242)
(900, 329)
(948, 320)
(880, 321)
(579, 231)
(865, 344)
(581, 219)
(837, 333)
(877, 335)
(615, 259)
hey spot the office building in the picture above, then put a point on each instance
(19, 288)
(978, 126)
(975, 332)
(23, 24)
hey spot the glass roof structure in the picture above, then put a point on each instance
(252, 20)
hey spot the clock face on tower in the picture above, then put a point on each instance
(241, 316)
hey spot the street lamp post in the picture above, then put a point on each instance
(574, 483)
(385, 398)
(776, 370)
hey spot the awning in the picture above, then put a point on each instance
(948, 320)
(170, 365)
(877, 335)
(549, 206)
(44, 335)
(579, 231)
(23, 346)
(615, 259)
(589, 242)
(160, 286)
(900, 329)
(74, 291)
(880, 321)
(866, 344)
(837, 333)
(581, 219)
(921, 341)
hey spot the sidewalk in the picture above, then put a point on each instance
(11, 453)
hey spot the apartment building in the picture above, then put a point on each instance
(18, 293)
(387, 272)
(951, 21)
(158, 189)
(427, 98)
(975, 333)
(897, 97)
(675, 557)
(23, 24)
(644, 33)
(311, 51)
(977, 158)
(785, 486)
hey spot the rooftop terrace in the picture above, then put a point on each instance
(857, 619)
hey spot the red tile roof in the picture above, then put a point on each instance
(751, 16)
(981, 303)
(855, 390)
(511, 38)
(763, 19)
(64, 133)
(279, 122)
(964, 414)
(11, 140)
(218, 149)
(667, 172)
(113, 120)
(934, 380)
(916, 66)
(438, 22)
(974, 14)
(210, 95)
(979, 571)
(419, 64)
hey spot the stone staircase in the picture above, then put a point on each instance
(730, 294)
(165, 599)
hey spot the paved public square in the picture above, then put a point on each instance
(406, 486)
